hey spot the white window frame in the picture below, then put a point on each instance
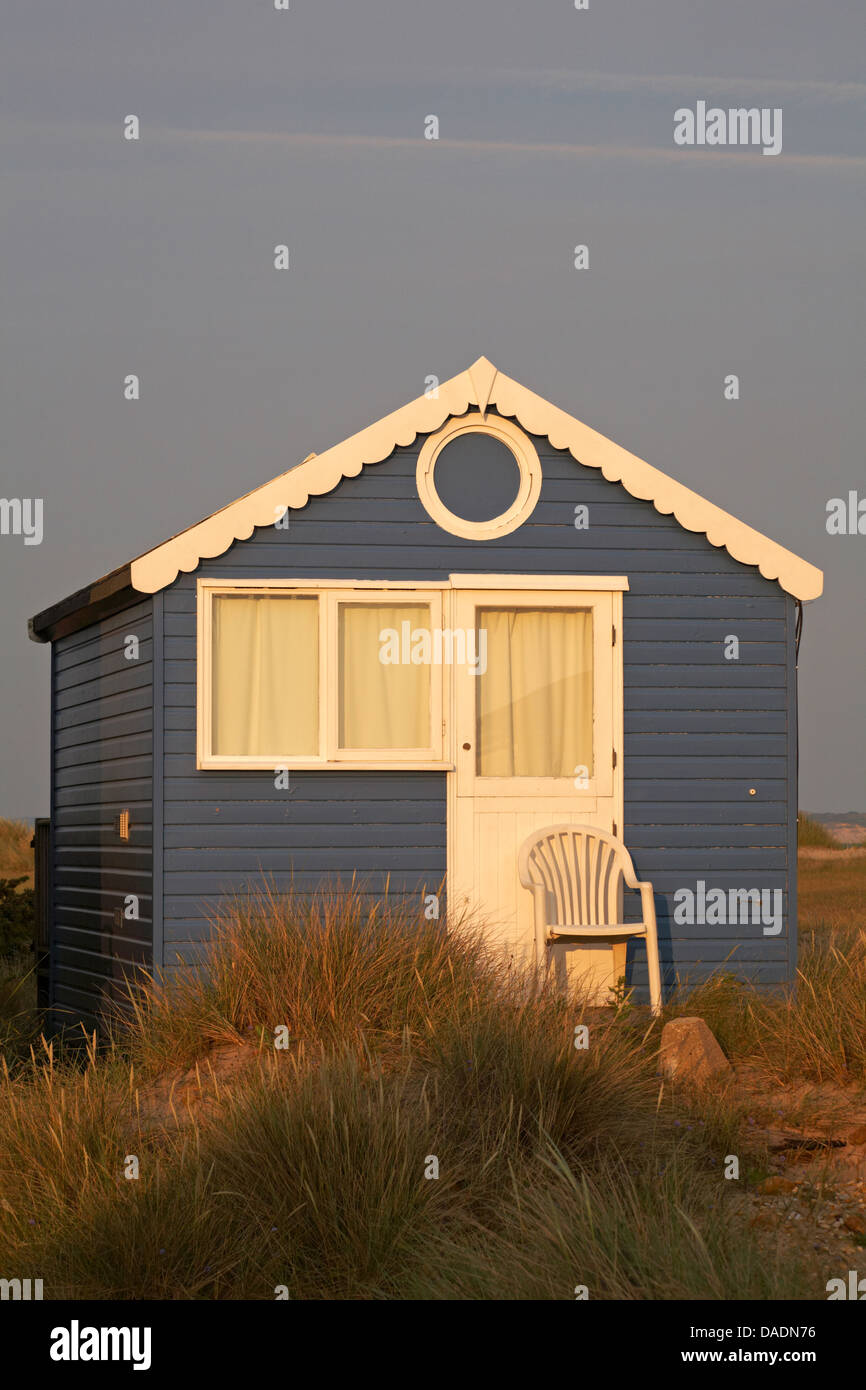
(605, 607)
(444, 599)
(330, 756)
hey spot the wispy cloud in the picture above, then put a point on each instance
(736, 159)
(99, 136)
(678, 85)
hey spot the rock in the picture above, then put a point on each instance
(858, 1135)
(689, 1052)
(855, 1222)
(771, 1187)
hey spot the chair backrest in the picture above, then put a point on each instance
(581, 868)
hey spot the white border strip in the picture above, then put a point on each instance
(481, 385)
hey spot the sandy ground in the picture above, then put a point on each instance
(810, 1191)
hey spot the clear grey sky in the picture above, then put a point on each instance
(412, 257)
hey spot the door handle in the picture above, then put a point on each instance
(467, 746)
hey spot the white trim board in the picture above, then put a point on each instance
(596, 583)
(481, 386)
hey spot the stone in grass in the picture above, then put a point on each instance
(689, 1052)
(772, 1187)
(858, 1135)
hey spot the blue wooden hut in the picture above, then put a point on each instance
(395, 661)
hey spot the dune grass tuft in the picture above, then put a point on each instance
(432, 1132)
(813, 835)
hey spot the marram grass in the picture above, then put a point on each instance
(431, 1132)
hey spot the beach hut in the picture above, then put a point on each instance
(399, 660)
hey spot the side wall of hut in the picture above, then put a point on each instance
(101, 885)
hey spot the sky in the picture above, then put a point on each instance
(411, 257)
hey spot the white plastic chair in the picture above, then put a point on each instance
(576, 875)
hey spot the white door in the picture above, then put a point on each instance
(537, 728)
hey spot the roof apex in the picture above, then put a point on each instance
(482, 385)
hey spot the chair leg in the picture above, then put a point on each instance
(542, 961)
(542, 956)
(655, 973)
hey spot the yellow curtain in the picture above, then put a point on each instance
(535, 698)
(384, 694)
(265, 674)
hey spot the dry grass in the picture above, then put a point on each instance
(832, 890)
(817, 1032)
(333, 971)
(811, 832)
(18, 1016)
(557, 1166)
(16, 856)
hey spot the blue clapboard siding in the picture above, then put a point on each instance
(227, 832)
(700, 731)
(102, 744)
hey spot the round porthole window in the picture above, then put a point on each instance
(479, 479)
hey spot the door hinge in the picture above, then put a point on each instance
(613, 636)
(614, 757)
(614, 828)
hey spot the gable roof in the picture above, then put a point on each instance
(480, 386)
